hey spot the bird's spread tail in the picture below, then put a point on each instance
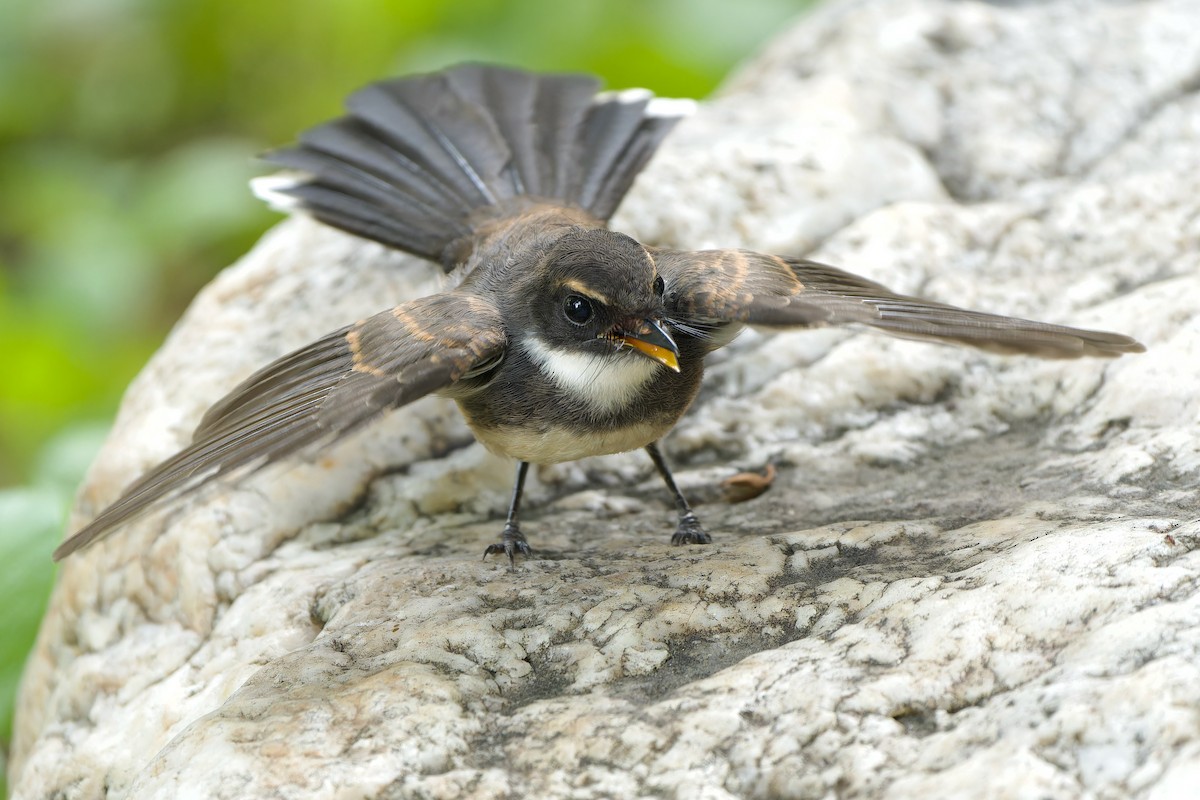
(415, 157)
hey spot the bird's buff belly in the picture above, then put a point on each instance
(556, 444)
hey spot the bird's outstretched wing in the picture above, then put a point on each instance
(320, 392)
(724, 286)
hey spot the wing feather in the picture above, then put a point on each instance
(739, 286)
(320, 392)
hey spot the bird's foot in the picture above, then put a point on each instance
(690, 531)
(512, 541)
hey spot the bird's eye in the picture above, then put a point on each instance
(659, 285)
(578, 309)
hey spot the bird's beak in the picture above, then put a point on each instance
(651, 340)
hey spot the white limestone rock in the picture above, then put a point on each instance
(974, 576)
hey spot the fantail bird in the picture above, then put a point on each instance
(563, 339)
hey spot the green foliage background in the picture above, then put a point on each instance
(128, 130)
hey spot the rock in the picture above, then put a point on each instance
(972, 575)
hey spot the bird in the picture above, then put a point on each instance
(560, 338)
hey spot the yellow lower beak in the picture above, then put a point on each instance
(652, 341)
(659, 354)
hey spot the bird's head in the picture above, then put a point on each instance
(599, 294)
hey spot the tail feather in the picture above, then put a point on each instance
(512, 103)
(612, 123)
(445, 133)
(558, 113)
(360, 148)
(537, 116)
(413, 232)
(612, 181)
(385, 192)
(417, 158)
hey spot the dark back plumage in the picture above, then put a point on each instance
(418, 160)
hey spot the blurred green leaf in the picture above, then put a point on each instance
(35, 515)
(31, 518)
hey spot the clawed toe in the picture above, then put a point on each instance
(512, 542)
(690, 531)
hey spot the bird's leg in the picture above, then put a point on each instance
(689, 530)
(512, 541)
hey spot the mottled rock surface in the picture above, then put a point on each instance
(974, 576)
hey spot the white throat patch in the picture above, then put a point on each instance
(605, 384)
